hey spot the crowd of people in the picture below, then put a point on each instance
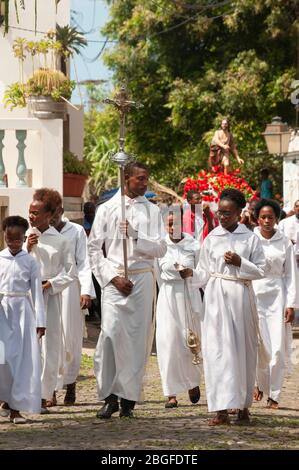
(228, 291)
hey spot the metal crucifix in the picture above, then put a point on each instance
(123, 105)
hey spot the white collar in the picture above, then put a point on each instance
(218, 231)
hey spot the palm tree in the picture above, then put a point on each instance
(71, 42)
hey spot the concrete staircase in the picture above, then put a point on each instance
(73, 209)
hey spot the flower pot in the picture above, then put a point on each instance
(44, 107)
(73, 184)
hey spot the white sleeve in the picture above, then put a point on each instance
(83, 267)
(255, 267)
(37, 294)
(102, 268)
(291, 278)
(201, 274)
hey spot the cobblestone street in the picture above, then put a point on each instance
(184, 428)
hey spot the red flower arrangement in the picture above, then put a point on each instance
(214, 182)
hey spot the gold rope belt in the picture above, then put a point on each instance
(131, 272)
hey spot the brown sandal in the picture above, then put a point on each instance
(272, 404)
(220, 419)
(258, 394)
(52, 402)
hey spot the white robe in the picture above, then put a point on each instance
(229, 334)
(72, 315)
(178, 308)
(58, 267)
(290, 227)
(276, 292)
(122, 348)
(20, 376)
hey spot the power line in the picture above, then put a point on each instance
(45, 32)
(87, 59)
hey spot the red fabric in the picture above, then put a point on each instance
(189, 221)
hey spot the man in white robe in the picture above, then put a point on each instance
(290, 228)
(58, 270)
(123, 344)
(76, 299)
(290, 225)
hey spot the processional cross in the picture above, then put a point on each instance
(123, 105)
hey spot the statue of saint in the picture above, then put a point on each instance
(222, 146)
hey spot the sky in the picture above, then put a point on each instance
(89, 16)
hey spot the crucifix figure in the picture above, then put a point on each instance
(123, 106)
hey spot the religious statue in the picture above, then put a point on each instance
(193, 344)
(222, 146)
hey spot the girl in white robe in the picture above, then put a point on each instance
(22, 323)
(178, 308)
(277, 296)
(230, 258)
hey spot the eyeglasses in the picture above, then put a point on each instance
(225, 214)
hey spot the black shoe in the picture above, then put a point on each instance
(107, 410)
(126, 413)
(194, 394)
(126, 408)
(70, 396)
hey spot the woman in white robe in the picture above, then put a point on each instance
(277, 296)
(230, 258)
(22, 321)
(178, 309)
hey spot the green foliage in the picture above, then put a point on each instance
(70, 39)
(14, 96)
(100, 143)
(191, 64)
(71, 164)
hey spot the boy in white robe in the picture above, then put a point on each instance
(277, 297)
(126, 325)
(22, 323)
(58, 271)
(76, 299)
(231, 257)
(178, 310)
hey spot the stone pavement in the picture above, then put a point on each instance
(155, 427)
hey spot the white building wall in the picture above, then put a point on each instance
(291, 173)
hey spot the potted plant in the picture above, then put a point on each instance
(75, 173)
(47, 90)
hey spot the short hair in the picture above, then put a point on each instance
(51, 198)
(129, 168)
(15, 221)
(265, 172)
(233, 195)
(88, 205)
(191, 193)
(267, 203)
